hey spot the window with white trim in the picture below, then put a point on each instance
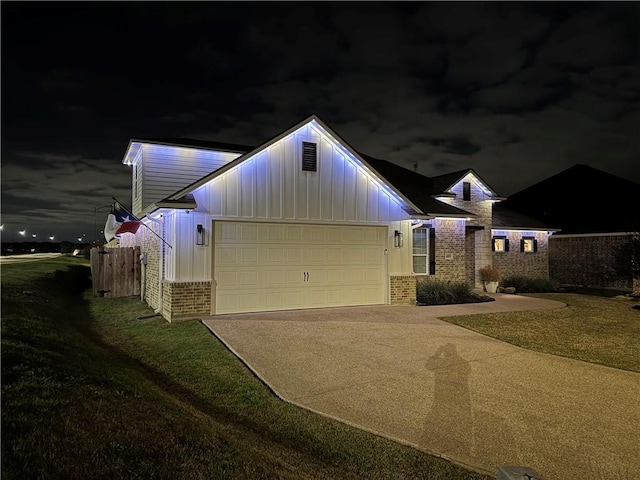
(420, 243)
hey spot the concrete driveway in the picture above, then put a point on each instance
(400, 372)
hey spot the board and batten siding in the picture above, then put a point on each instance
(163, 170)
(186, 261)
(271, 185)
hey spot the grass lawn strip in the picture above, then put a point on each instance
(591, 328)
(90, 392)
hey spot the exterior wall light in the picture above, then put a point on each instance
(200, 234)
(398, 239)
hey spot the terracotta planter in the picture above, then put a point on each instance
(490, 287)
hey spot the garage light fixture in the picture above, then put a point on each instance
(199, 235)
(398, 239)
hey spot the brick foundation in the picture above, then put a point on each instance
(403, 289)
(182, 300)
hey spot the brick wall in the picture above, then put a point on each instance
(450, 249)
(470, 257)
(183, 300)
(586, 260)
(403, 289)
(515, 262)
(481, 244)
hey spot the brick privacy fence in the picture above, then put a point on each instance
(586, 260)
(515, 262)
(403, 289)
(182, 300)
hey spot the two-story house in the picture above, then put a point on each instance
(306, 221)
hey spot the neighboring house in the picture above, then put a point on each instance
(595, 211)
(302, 221)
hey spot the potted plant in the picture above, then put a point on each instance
(490, 276)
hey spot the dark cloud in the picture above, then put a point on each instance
(457, 144)
(517, 91)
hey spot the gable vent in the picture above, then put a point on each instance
(309, 157)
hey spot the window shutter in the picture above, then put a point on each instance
(522, 244)
(309, 157)
(493, 244)
(535, 245)
(506, 244)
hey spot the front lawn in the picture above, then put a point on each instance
(591, 328)
(90, 391)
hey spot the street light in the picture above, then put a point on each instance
(22, 232)
(33, 235)
(51, 238)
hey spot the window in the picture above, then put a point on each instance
(420, 242)
(466, 191)
(500, 244)
(309, 157)
(528, 244)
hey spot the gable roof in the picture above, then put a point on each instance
(415, 190)
(581, 199)
(410, 207)
(442, 183)
(415, 186)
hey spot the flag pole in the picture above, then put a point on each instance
(141, 222)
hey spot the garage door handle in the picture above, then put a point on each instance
(305, 276)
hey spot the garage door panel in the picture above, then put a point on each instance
(261, 267)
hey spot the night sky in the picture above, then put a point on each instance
(516, 91)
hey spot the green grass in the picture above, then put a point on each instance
(88, 391)
(591, 328)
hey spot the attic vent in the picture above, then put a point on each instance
(309, 157)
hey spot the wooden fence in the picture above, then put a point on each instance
(115, 272)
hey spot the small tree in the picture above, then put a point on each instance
(627, 260)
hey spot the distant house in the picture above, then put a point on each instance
(305, 221)
(595, 211)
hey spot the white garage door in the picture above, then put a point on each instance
(261, 267)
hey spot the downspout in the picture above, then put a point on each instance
(160, 264)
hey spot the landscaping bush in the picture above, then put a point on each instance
(438, 292)
(525, 284)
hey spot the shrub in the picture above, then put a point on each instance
(438, 292)
(526, 284)
(489, 274)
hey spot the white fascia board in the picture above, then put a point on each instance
(371, 172)
(237, 161)
(584, 235)
(134, 149)
(520, 229)
(328, 132)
